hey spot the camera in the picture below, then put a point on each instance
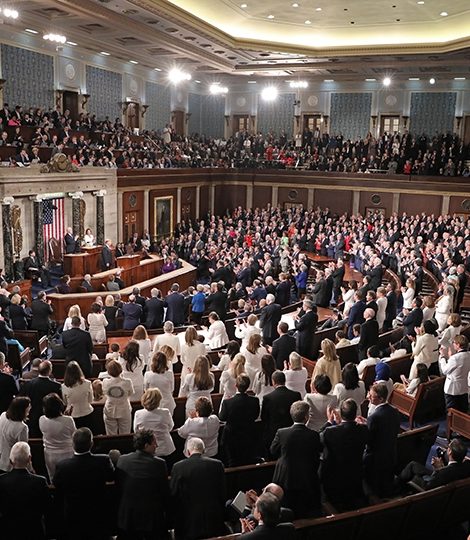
(440, 452)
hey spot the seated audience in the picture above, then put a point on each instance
(267, 513)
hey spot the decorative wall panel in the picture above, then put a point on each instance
(350, 114)
(432, 112)
(276, 116)
(105, 89)
(194, 104)
(158, 97)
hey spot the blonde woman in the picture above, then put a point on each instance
(429, 308)
(444, 307)
(296, 374)
(229, 376)
(117, 407)
(110, 312)
(245, 330)
(74, 311)
(145, 347)
(161, 377)
(253, 353)
(198, 383)
(157, 418)
(329, 363)
(170, 354)
(190, 350)
(453, 329)
(408, 292)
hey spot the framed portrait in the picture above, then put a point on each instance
(372, 211)
(163, 217)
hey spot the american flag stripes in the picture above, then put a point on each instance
(53, 222)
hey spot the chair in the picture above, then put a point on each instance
(415, 445)
(55, 252)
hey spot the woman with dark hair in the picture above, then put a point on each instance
(350, 386)
(411, 387)
(64, 285)
(198, 383)
(262, 384)
(57, 431)
(190, 350)
(97, 323)
(253, 354)
(162, 377)
(232, 349)
(202, 423)
(319, 400)
(13, 428)
(425, 350)
(78, 395)
(132, 368)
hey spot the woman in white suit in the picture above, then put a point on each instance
(244, 331)
(444, 308)
(198, 383)
(216, 334)
(203, 424)
(190, 350)
(425, 350)
(253, 353)
(162, 377)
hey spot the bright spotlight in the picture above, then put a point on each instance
(177, 75)
(269, 93)
(216, 89)
(432, 80)
(387, 81)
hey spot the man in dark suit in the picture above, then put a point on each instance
(37, 389)
(282, 346)
(356, 313)
(174, 302)
(71, 242)
(381, 452)
(197, 488)
(369, 333)
(283, 290)
(267, 512)
(86, 283)
(322, 290)
(154, 310)
(80, 483)
(217, 300)
(337, 275)
(41, 311)
(441, 474)
(344, 442)
(375, 274)
(298, 449)
(20, 492)
(240, 414)
(132, 312)
(413, 318)
(78, 346)
(391, 309)
(462, 284)
(269, 318)
(107, 261)
(8, 388)
(33, 265)
(275, 412)
(139, 299)
(142, 480)
(305, 326)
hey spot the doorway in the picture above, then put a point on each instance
(132, 115)
(312, 122)
(389, 124)
(130, 225)
(466, 130)
(178, 122)
(240, 122)
(70, 102)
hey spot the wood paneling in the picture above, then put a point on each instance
(262, 195)
(203, 201)
(338, 201)
(415, 204)
(292, 195)
(455, 205)
(132, 214)
(229, 197)
(365, 201)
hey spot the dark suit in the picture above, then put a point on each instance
(390, 310)
(87, 285)
(412, 320)
(18, 317)
(217, 302)
(132, 313)
(369, 336)
(375, 275)
(322, 292)
(106, 258)
(298, 449)
(8, 390)
(144, 495)
(356, 316)
(438, 477)
(283, 531)
(268, 320)
(240, 414)
(275, 413)
(283, 293)
(36, 390)
(341, 469)
(282, 347)
(70, 243)
(305, 327)
(79, 347)
(80, 482)
(174, 303)
(197, 487)
(381, 451)
(24, 499)
(41, 312)
(154, 312)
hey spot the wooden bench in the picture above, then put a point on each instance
(398, 366)
(458, 422)
(31, 339)
(348, 354)
(415, 445)
(427, 403)
(59, 365)
(18, 361)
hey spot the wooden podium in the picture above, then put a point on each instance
(75, 264)
(92, 265)
(129, 263)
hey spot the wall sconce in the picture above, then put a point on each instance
(144, 110)
(459, 120)
(374, 121)
(124, 106)
(227, 119)
(188, 116)
(58, 97)
(85, 98)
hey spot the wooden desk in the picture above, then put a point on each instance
(75, 264)
(184, 276)
(130, 263)
(92, 263)
(24, 285)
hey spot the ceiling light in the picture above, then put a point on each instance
(329, 80)
(432, 80)
(251, 82)
(72, 43)
(371, 80)
(10, 13)
(104, 53)
(198, 82)
(270, 16)
(298, 84)
(31, 31)
(318, 9)
(216, 89)
(308, 22)
(243, 6)
(133, 62)
(459, 78)
(413, 79)
(157, 69)
(295, 5)
(443, 14)
(176, 76)
(56, 38)
(420, 3)
(269, 93)
(387, 81)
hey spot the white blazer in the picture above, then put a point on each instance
(217, 335)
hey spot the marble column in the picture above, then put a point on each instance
(178, 205)
(7, 238)
(100, 236)
(76, 222)
(198, 202)
(38, 228)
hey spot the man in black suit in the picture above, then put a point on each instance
(154, 310)
(86, 283)
(282, 346)
(197, 488)
(139, 299)
(283, 290)
(240, 414)
(391, 309)
(41, 311)
(78, 346)
(356, 313)
(37, 389)
(462, 284)
(275, 412)
(381, 452)
(298, 449)
(174, 302)
(344, 442)
(71, 242)
(107, 256)
(217, 300)
(8, 388)
(80, 483)
(142, 480)
(24, 498)
(441, 474)
(322, 289)
(267, 512)
(413, 318)
(375, 274)
(33, 265)
(305, 326)
(369, 333)
(269, 318)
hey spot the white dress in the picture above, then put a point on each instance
(97, 324)
(382, 306)
(161, 423)
(253, 362)
(358, 394)
(260, 388)
(189, 353)
(348, 300)
(296, 379)
(165, 382)
(136, 376)
(145, 350)
(57, 440)
(408, 296)
(117, 391)
(217, 335)
(68, 324)
(227, 384)
(168, 339)
(443, 310)
(79, 397)
(191, 393)
(10, 433)
(206, 429)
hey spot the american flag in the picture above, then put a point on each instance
(53, 222)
